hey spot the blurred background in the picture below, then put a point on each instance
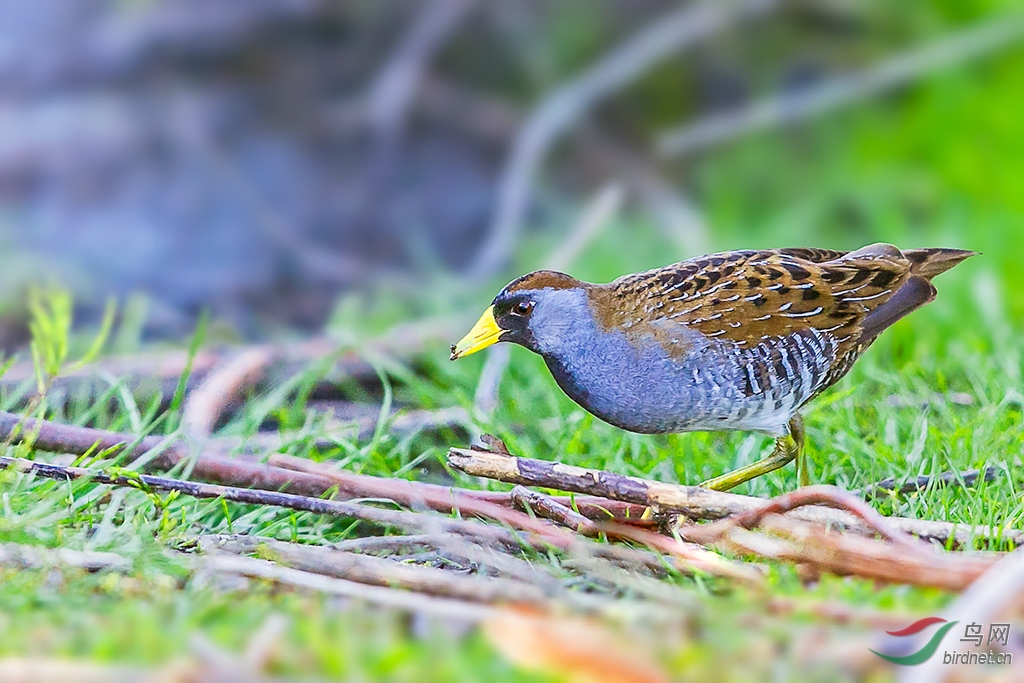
(266, 159)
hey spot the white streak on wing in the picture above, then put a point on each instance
(867, 298)
(850, 291)
(808, 314)
(786, 306)
(688, 310)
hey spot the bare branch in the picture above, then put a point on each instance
(410, 521)
(899, 70)
(568, 103)
(376, 571)
(695, 502)
(395, 86)
(547, 507)
(459, 610)
(888, 486)
(208, 403)
(32, 557)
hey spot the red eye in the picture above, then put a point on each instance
(523, 308)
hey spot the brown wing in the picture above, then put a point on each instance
(746, 296)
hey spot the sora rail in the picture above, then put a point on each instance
(735, 340)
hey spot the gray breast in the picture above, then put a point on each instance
(713, 386)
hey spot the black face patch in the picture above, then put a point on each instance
(512, 311)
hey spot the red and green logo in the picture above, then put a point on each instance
(929, 648)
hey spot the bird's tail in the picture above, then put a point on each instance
(931, 262)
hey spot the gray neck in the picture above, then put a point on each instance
(636, 387)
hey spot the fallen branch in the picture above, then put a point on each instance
(222, 387)
(901, 557)
(694, 502)
(532, 533)
(825, 496)
(549, 508)
(788, 108)
(570, 101)
(442, 498)
(377, 571)
(413, 493)
(302, 477)
(460, 610)
(32, 557)
(541, 535)
(965, 479)
(795, 541)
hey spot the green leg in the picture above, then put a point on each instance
(787, 448)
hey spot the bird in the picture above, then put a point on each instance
(736, 340)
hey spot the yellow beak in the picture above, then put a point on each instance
(483, 334)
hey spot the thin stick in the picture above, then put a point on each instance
(444, 499)
(792, 540)
(32, 557)
(389, 544)
(827, 496)
(302, 477)
(412, 493)
(209, 401)
(567, 103)
(377, 571)
(695, 502)
(966, 479)
(448, 608)
(901, 69)
(411, 521)
(547, 507)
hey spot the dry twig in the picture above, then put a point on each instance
(32, 557)
(570, 102)
(394, 89)
(377, 571)
(887, 487)
(541, 534)
(695, 502)
(792, 107)
(459, 610)
(222, 387)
